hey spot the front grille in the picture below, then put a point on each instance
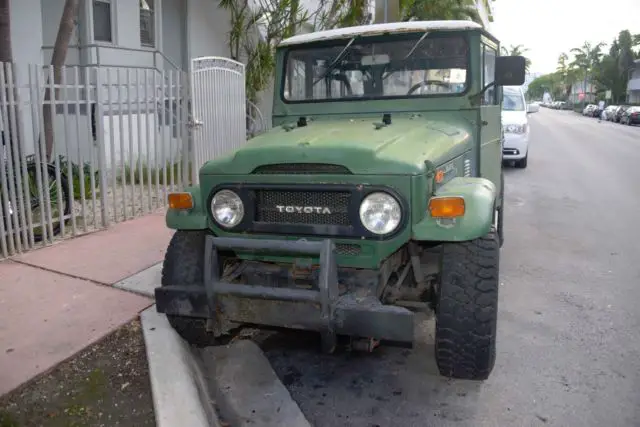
(510, 151)
(288, 207)
(301, 169)
(347, 249)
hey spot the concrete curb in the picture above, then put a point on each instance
(189, 384)
(180, 392)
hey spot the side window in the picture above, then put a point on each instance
(147, 23)
(295, 81)
(102, 31)
(488, 74)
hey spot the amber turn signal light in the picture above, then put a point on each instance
(180, 201)
(446, 207)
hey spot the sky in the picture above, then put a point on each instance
(549, 27)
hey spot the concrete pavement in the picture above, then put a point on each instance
(57, 300)
(569, 337)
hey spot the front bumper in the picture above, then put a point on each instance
(323, 309)
(516, 146)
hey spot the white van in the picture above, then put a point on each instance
(515, 125)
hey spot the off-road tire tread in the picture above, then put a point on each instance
(522, 163)
(467, 309)
(184, 265)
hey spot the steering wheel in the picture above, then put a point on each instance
(428, 82)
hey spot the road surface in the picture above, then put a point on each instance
(569, 324)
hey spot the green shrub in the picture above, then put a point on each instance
(77, 174)
(141, 173)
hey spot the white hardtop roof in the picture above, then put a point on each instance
(376, 29)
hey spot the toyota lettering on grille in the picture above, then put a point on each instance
(304, 209)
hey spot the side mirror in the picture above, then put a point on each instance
(510, 70)
(532, 108)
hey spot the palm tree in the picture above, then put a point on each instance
(567, 73)
(518, 50)
(563, 67)
(585, 59)
(425, 10)
(58, 58)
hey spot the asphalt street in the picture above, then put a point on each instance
(569, 323)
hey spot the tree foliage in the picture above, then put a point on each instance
(590, 64)
(419, 10)
(518, 50)
(258, 27)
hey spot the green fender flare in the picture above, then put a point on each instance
(192, 219)
(480, 200)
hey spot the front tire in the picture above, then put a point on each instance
(184, 266)
(467, 308)
(522, 163)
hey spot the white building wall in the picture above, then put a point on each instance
(184, 29)
(26, 43)
(485, 14)
(208, 29)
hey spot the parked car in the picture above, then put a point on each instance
(515, 125)
(443, 203)
(597, 112)
(631, 116)
(609, 113)
(620, 112)
(588, 110)
(533, 107)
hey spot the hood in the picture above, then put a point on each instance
(400, 148)
(514, 117)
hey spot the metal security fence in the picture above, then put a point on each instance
(219, 106)
(106, 144)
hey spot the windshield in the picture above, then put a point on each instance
(373, 68)
(512, 101)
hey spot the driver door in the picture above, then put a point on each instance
(490, 121)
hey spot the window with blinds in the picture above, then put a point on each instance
(147, 23)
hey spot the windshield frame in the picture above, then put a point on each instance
(412, 36)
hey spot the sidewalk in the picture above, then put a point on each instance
(57, 300)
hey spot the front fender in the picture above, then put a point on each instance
(479, 198)
(192, 219)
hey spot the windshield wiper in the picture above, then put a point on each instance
(415, 46)
(335, 61)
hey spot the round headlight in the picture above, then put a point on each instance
(227, 208)
(380, 213)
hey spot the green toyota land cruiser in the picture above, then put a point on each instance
(378, 193)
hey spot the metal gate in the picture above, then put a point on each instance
(218, 108)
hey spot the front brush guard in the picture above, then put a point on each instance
(322, 310)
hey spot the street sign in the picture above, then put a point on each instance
(608, 94)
